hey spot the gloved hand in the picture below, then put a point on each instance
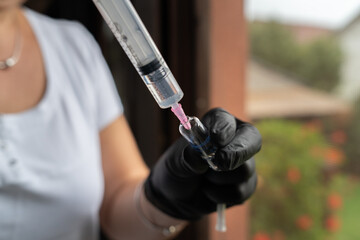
(181, 183)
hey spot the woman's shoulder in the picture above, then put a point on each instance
(53, 24)
(61, 32)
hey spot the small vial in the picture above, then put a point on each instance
(199, 138)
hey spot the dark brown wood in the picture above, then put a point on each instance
(180, 35)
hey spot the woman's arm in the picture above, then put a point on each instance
(124, 170)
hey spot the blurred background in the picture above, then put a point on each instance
(304, 95)
(291, 67)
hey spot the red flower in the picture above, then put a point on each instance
(338, 137)
(332, 224)
(293, 174)
(334, 156)
(261, 236)
(334, 201)
(304, 222)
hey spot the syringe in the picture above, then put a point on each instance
(132, 35)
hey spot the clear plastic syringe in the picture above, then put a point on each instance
(132, 35)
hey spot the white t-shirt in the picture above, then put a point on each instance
(51, 179)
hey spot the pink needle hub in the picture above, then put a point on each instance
(179, 113)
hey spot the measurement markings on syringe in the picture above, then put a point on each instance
(123, 40)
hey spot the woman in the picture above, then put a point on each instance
(68, 160)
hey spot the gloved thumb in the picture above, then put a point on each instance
(221, 126)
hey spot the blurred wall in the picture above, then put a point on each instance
(349, 88)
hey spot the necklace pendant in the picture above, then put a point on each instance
(10, 62)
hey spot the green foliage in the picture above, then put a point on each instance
(320, 65)
(274, 44)
(291, 193)
(316, 64)
(349, 216)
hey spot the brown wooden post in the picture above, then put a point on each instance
(222, 54)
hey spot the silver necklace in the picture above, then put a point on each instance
(11, 61)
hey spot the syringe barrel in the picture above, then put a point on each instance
(133, 37)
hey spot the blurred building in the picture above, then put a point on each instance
(273, 94)
(349, 38)
(302, 33)
(306, 33)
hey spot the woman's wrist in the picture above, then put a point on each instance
(154, 218)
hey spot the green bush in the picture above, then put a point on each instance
(320, 64)
(273, 44)
(291, 197)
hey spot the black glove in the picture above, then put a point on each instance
(181, 183)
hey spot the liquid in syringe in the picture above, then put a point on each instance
(133, 37)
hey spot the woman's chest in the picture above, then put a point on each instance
(50, 143)
(50, 172)
(22, 89)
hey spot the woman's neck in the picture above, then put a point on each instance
(8, 18)
(9, 29)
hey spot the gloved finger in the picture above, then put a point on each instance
(171, 192)
(231, 194)
(245, 144)
(239, 175)
(182, 161)
(249, 187)
(223, 194)
(221, 126)
(194, 161)
(187, 209)
(199, 206)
